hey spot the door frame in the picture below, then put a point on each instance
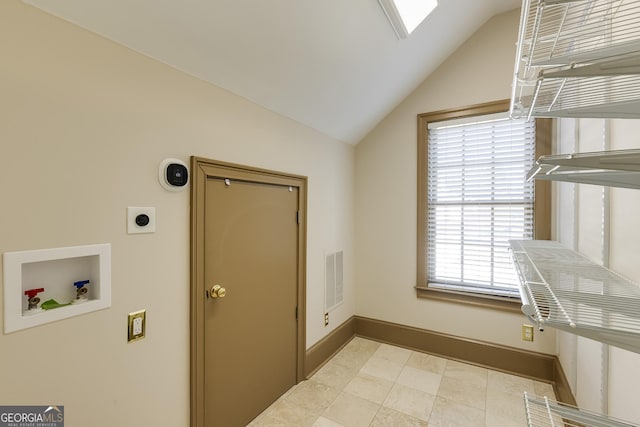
(201, 170)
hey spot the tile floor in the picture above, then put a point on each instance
(372, 384)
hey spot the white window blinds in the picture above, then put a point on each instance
(478, 199)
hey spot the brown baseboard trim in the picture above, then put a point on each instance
(529, 364)
(324, 349)
(561, 385)
(537, 366)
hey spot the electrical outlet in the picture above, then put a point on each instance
(137, 325)
(326, 319)
(527, 333)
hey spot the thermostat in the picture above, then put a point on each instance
(173, 174)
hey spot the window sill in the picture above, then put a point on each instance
(487, 301)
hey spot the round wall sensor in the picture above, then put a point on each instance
(173, 174)
(142, 220)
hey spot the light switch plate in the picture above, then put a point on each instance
(137, 325)
(133, 213)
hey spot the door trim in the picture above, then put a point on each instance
(201, 170)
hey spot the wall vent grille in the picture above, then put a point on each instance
(334, 279)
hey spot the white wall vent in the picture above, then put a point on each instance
(333, 280)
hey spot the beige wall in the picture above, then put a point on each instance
(84, 124)
(479, 71)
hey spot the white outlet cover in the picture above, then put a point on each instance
(133, 212)
(137, 326)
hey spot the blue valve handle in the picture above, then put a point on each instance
(80, 284)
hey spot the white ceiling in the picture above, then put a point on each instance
(334, 65)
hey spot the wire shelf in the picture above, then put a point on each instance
(578, 58)
(563, 289)
(545, 412)
(618, 168)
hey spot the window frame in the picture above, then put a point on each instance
(541, 214)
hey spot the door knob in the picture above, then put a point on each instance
(218, 292)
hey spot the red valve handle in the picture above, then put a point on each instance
(33, 292)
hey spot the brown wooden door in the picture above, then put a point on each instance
(251, 335)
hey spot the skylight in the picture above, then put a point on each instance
(406, 15)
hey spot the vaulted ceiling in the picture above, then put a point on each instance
(333, 65)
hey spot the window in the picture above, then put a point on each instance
(474, 198)
(406, 15)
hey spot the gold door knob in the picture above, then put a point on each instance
(218, 292)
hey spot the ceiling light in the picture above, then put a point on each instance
(406, 15)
